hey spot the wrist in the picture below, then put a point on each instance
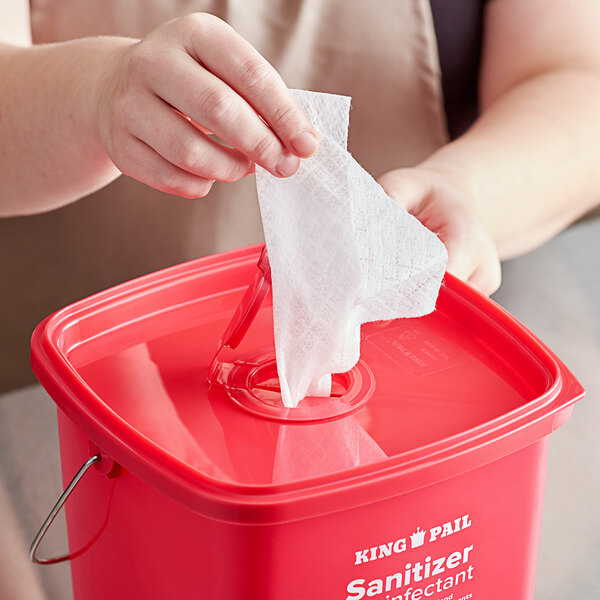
(108, 54)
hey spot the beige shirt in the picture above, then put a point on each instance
(386, 59)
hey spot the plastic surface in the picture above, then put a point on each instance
(445, 418)
(152, 547)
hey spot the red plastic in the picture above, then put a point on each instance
(216, 498)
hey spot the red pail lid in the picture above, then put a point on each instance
(134, 367)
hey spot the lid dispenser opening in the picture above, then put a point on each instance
(253, 384)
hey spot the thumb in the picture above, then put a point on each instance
(405, 188)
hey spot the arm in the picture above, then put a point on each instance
(529, 166)
(50, 152)
(73, 115)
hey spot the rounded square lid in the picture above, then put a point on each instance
(430, 398)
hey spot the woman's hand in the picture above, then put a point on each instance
(446, 203)
(187, 78)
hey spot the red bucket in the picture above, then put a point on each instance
(422, 479)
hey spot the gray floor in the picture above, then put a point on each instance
(555, 291)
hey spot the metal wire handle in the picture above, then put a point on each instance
(55, 510)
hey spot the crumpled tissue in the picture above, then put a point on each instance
(342, 253)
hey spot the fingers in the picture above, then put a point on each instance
(445, 210)
(254, 79)
(179, 142)
(215, 106)
(487, 277)
(157, 172)
(217, 79)
(472, 255)
(408, 191)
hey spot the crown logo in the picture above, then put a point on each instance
(417, 539)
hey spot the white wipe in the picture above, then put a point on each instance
(342, 253)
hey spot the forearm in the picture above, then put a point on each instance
(532, 158)
(50, 152)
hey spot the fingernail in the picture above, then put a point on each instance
(305, 143)
(288, 164)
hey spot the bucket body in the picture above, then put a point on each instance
(481, 532)
(199, 494)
